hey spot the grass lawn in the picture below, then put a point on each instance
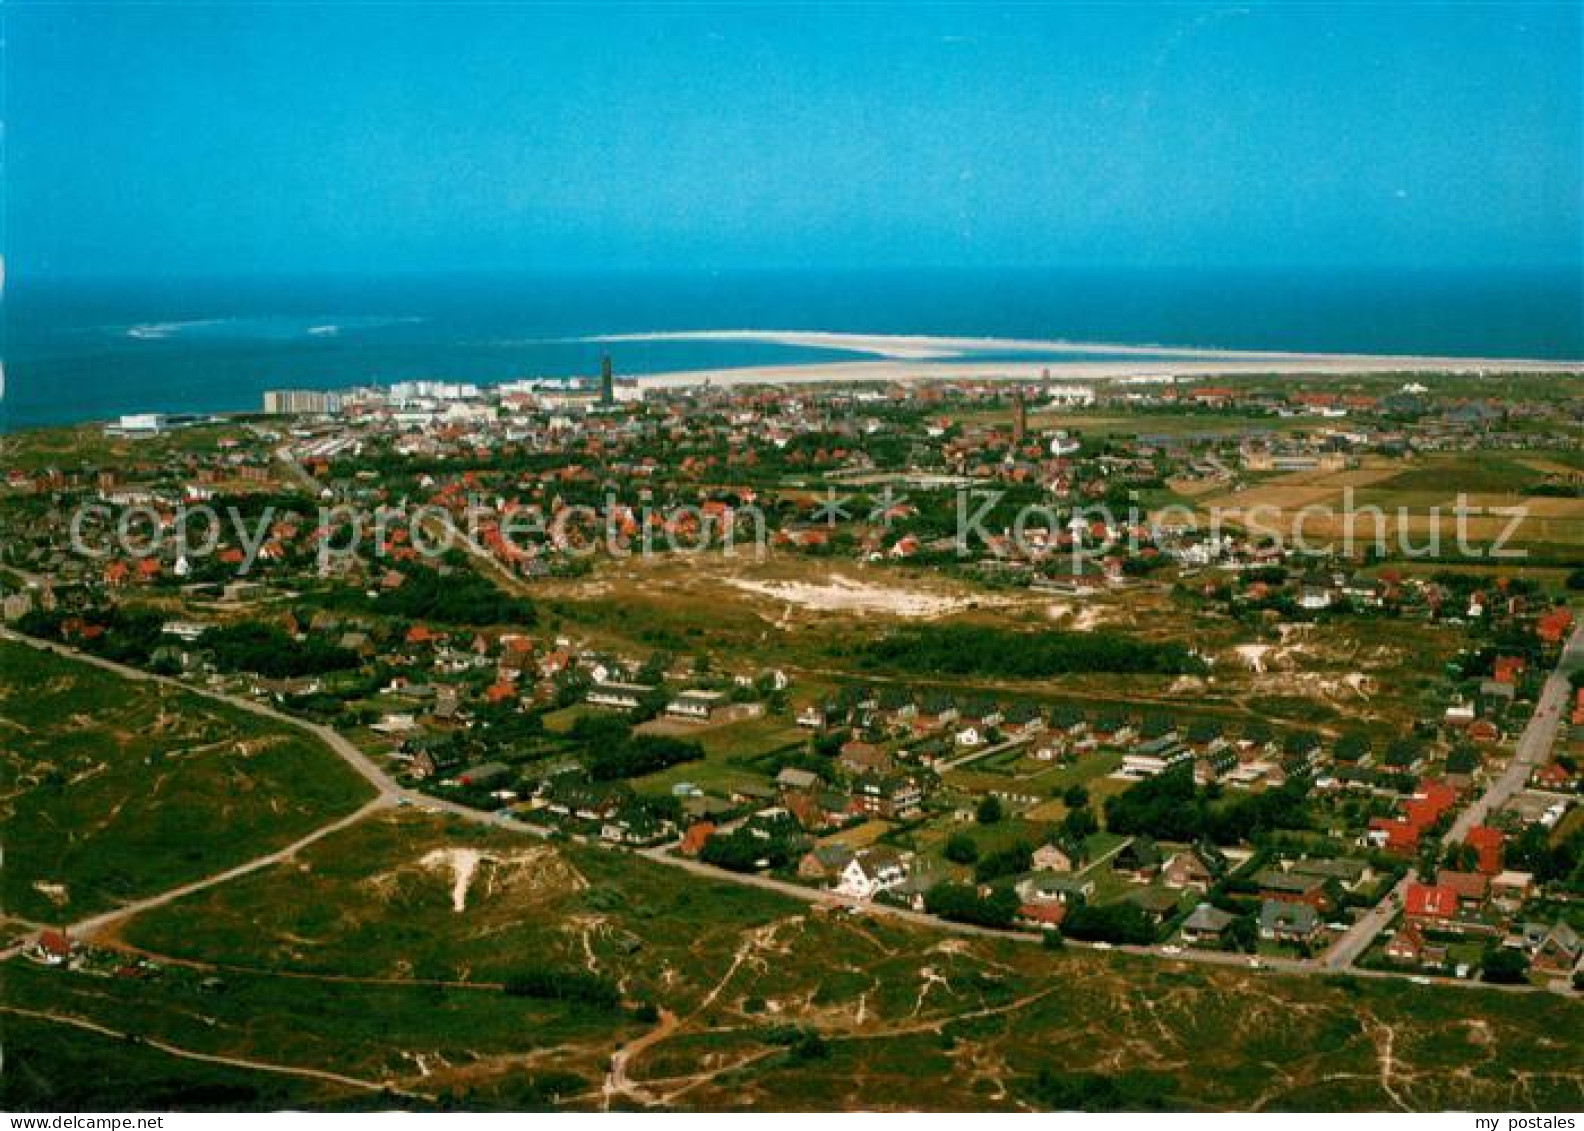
(1101, 846)
(116, 790)
(712, 775)
(727, 749)
(1005, 833)
(562, 720)
(859, 836)
(748, 738)
(1082, 772)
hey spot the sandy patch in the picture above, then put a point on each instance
(476, 876)
(843, 594)
(1086, 618)
(1254, 656)
(462, 863)
(55, 893)
(840, 372)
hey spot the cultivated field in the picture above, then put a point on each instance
(1416, 498)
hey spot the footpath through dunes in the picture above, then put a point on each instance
(732, 997)
(370, 921)
(127, 788)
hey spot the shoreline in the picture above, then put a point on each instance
(895, 370)
(933, 347)
(916, 358)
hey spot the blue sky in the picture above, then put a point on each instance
(301, 138)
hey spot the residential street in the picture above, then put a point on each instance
(389, 793)
(1533, 746)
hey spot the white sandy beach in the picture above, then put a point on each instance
(926, 358)
(814, 373)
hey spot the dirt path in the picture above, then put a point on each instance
(617, 1081)
(216, 1058)
(87, 928)
(391, 794)
(1388, 1064)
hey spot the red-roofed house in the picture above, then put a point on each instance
(1553, 626)
(1435, 796)
(1394, 835)
(54, 946)
(693, 840)
(1430, 903)
(1044, 915)
(1507, 669)
(1401, 834)
(1552, 775)
(1487, 842)
(1471, 887)
(1407, 945)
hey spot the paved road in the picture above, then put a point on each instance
(974, 755)
(835, 902)
(387, 793)
(390, 793)
(1534, 745)
(449, 532)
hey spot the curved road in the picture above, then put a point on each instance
(389, 793)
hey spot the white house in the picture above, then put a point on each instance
(621, 696)
(1051, 858)
(869, 873)
(696, 705)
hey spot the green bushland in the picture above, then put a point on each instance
(119, 789)
(964, 649)
(458, 597)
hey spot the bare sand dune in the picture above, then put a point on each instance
(842, 594)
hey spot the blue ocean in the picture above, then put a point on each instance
(91, 350)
